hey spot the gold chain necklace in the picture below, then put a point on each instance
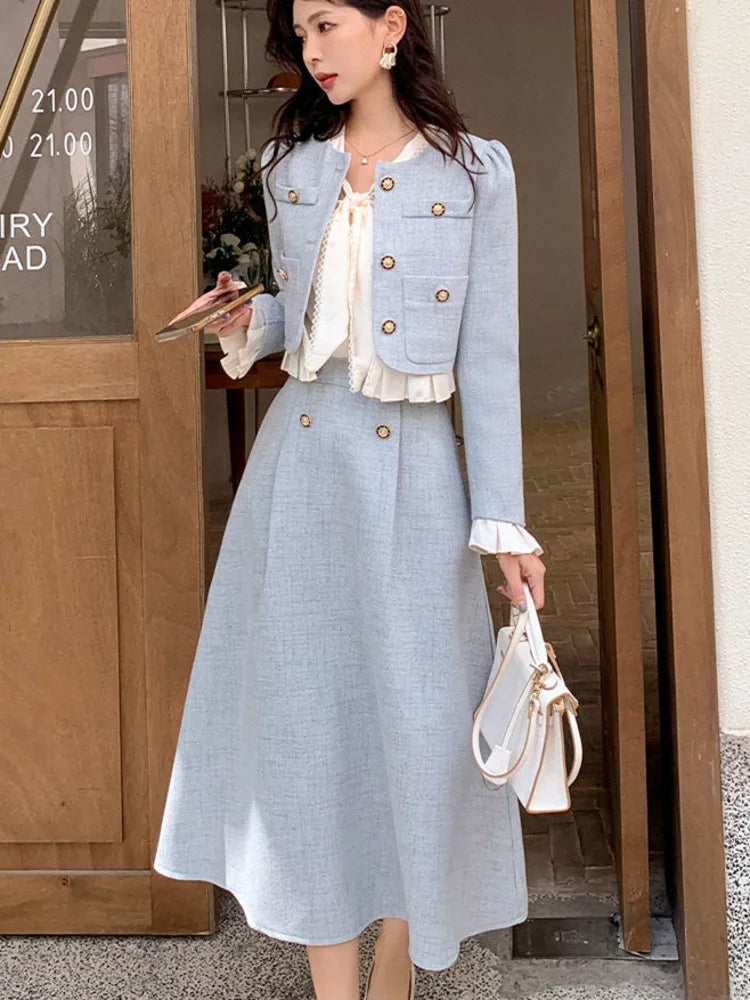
(364, 159)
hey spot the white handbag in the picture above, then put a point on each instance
(521, 718)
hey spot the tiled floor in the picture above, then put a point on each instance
(569, 855)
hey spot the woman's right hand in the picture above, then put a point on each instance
(226, 290)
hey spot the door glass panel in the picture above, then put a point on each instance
(65, 223)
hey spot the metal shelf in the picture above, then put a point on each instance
(257, 92)
(440, 9)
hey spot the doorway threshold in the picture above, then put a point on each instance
(589, 937)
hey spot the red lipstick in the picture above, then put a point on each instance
(326, 79)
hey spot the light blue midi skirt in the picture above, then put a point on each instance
(323, 772)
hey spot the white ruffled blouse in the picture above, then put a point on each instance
(337, 323)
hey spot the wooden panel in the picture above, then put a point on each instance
(163, 47)
(76, 903)
(148, 397)
(679, 493)
(133, 851)
(614, 456)
(59, 760)
(53, 370)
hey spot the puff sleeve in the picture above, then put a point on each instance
(487, 356)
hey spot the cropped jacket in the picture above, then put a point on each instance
(444, 286)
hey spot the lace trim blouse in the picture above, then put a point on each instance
(338, 318)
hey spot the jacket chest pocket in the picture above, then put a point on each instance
(297, 207)
(296, 194)
(433, 307)
(442, 226)
(287, 277)
(429, 207)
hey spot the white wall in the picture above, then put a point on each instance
(719, 42)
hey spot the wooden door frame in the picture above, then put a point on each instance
(163, 585)
(610, 390)
(167, 274)
(679, 490)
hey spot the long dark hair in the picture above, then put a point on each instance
(418, 86)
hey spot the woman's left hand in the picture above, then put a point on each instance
(518, 568)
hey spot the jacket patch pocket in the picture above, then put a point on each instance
(287, 277)
(296, 194)
(450, 207)
(298, 206)
(433, 307)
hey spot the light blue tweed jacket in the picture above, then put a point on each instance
(444, 287)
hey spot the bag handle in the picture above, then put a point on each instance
(571, 707)
(532, 628)
(514, 640)
(518, 631)
(523, 623)
(575, 736)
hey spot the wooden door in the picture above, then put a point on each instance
(694, 830)
(100, 459)
(613, 448)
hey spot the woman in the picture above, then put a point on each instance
(323, 772)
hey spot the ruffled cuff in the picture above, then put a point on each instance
(491, 536)
(243, 346)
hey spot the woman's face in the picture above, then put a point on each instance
(337, 38)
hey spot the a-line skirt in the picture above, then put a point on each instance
(323, 772)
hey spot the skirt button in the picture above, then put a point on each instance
(384, 430)
(304, 420)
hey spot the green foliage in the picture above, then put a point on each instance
(235, 231)
(97, 256)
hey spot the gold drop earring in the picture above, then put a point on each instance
(388, 59)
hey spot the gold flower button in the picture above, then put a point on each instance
(438, 208)
(442, 294)
(293, 196)
(304, 420)
(383, 430)
(282, 273)
(389, 326)
(387, 183)
(388, 261)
